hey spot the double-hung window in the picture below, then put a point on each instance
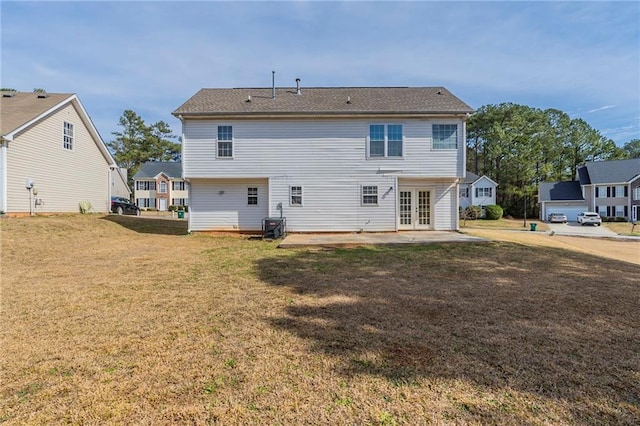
(445, 136)
(369, 195)
(385, 140)
(636, 193)
(225, 141)
(296, 195)
(67, 136)
(252, 196)
(163, 187)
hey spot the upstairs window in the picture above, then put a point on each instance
(464, 192)
(145, 185)
(225, 141)
(163, 187)
(370, 195)
(385, 140)
(445, 136)
(296, 195)
(636, 193)
(179, 185)
(67, 136)
(252, 196)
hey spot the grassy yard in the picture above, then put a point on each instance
(503, 223)
(623, 228)
(125, 320)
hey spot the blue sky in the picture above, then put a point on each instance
(580, 57)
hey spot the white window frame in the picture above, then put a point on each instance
(369, 195)
(464, 192)
(636, 193)
(162, 187)
(68, 135)
(179, 185)
(385, 142)
(448, 146)
(482, 192)
(298, 192)
(252, 193)
(619, 191)
(225, 141)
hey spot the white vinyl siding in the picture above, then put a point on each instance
(221, 205)
(308, 147)
(328, 158)
(62, 180)
(334, 204)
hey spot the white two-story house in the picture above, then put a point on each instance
(477, 191)
(327, 159)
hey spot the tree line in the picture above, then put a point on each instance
(138, 143)
(519, 146)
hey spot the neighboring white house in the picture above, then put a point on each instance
(327, 159)
(159, 184)
(50, 144)
(477, 191)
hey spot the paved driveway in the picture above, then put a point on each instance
(576, 229)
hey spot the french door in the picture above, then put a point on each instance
(415, 208)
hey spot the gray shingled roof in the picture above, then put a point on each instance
(323, 100)
(18, 108)
(560, 191)
(151, 169)
(471, 177)
(610, 171)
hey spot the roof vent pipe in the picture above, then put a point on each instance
(273, 84)
(298, 92)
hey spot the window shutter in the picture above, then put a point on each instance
(626, 193)
(608, 192)
(626, 210)
(597, 191)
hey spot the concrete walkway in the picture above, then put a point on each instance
(376, 238)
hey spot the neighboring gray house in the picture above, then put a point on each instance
(610, 188)
(328, 159)
(477, 191)
(159, 185)
(49, 143)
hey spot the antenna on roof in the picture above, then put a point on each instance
(298, 92)
(273, 84)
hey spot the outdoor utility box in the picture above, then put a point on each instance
(273, 227)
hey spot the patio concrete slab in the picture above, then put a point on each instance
(376, 238)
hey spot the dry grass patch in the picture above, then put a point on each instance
(623, 228)
(515, 224)
(125, 320)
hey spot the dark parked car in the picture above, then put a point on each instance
(121, 205)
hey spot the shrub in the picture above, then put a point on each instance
(620, 219)
(173, 208)
(493, 212)
(471, 213)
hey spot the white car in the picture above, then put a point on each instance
(589, 218)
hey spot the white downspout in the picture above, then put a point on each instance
(4, 144)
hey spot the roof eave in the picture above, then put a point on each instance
(319, 114)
